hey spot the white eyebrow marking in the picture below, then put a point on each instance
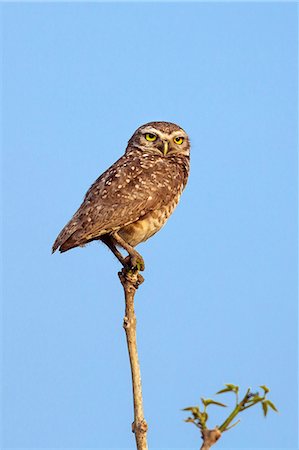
(162, 135)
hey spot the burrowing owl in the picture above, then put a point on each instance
(133, 199)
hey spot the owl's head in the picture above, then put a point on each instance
(161, 138)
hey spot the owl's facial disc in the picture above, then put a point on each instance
(156, 138)
(160, 143)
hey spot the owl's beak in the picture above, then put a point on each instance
(165, 150)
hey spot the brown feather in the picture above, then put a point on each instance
(138, 183)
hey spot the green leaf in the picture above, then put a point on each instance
(255, 399)
(272, 405)
(209, 401)
(202, 418)
(265, 408)
(265, 389)
(229, 388)
(191, 408)
(194, 409)
(203, 400)
(224, 390)
(233, 387)
(189, 420)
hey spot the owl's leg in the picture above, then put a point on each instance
(106, 239)
(135, 259)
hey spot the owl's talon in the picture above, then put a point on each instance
(134, 262)
(140, 266)
(137, 263)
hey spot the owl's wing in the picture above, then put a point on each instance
(129, 189)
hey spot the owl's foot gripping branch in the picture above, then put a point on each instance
(133, 261)
(131, 280)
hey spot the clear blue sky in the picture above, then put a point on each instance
(219, 302)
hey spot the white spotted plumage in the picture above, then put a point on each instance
(136, 195)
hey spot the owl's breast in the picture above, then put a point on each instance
(148, 225)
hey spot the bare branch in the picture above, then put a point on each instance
(131, 280)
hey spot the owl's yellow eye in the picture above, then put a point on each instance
(150, 137)
(178, 140)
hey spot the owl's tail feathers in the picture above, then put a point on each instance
(67, 245)
(64, 243)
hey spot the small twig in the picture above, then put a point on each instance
(131, 280)
(241, 406)
(200, 417)
(233, 425)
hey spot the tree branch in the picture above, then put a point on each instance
(200, 417)
(209, 437)
(131, 280)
